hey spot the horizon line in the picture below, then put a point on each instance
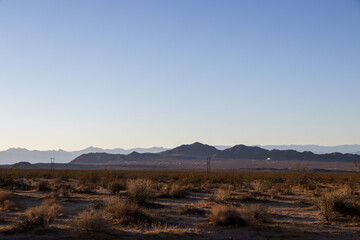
(214, 145)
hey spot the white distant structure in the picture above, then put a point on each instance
(268, 159)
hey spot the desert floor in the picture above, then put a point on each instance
(286, 211)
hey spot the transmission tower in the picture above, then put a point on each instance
(52, 163)
(208, 166)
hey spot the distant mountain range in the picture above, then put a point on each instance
(199, 151)
(354, 148)
(14, 155)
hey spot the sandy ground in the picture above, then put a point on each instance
(291, 217)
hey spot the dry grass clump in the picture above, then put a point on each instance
(4, 195)
(177, 190)
(260, 186)
(39, 216)
(13, 184)
(6, 180)
(310, 185)
(6, 201)
(223, 194)
(191, 177)
(90, 178)
(337, 201)
(20, 184)
(42, 186)
(90, 221)
(116, 186)
(279, 189)
(174, 190)
(9, 205)
(140, 190)
(256, 213)
(159, 229)
(226, 215)
(63, 190)
(127, 213)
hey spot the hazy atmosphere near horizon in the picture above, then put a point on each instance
(132, 74)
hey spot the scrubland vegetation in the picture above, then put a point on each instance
(112, 204)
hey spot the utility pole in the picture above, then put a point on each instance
(208, 166)
(52, 163)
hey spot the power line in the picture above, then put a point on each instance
(208, 166)
(52, 163)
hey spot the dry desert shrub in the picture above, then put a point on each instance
(223, 194)
(14, 184)
(317, 192)
(226, 215)
(90, 221)
(310, 185)
(39, 216)
(90, 178)
(173, 190)
(256, 213)
(42, 186)
(10, 205)
(63, 175)
(260, 186)
(274, 192)
(20, 184)
(336, 201)
(65, 190)
(7, 202)
(280, 189)
(4, 195)
(190, 187)
(192, 177)
(116, 186)
(157, 186)
(6, 180)
(198, 187)
(140, 190)
(177, 190)
(127, 213)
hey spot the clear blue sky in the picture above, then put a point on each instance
(163, 73)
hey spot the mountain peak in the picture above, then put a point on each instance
(15, 150)
(23, 165)
(93, 149)
(195, 149)
(134, 153)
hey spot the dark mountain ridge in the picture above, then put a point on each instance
(14, 155)
(198, 150)
(192, 150)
